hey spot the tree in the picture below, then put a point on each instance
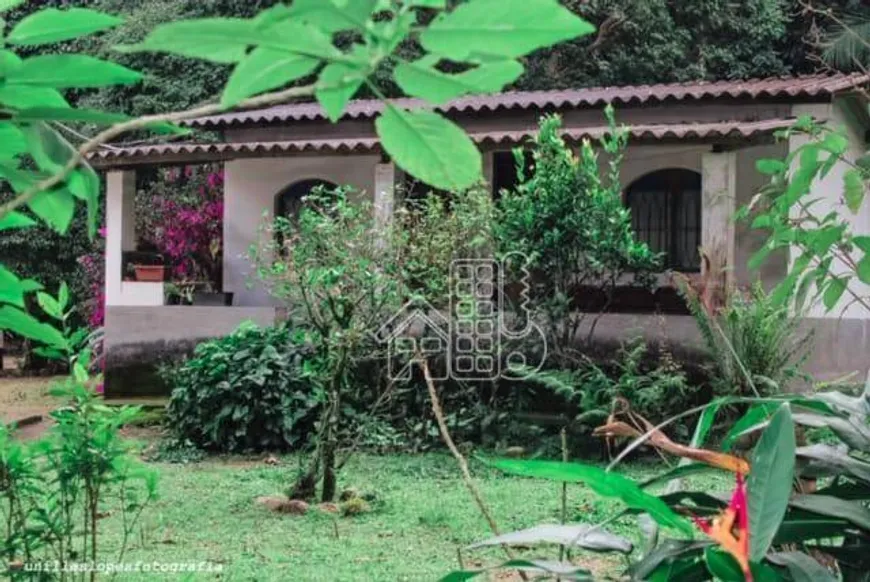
(568, 219)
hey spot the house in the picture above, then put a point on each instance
(689, 165)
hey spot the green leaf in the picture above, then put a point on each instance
(430, 147)
(835, 143)
(725, 568)
(219, 40)
(26, 325)
(853, 512)
(53, 25)
(63, 296)
(265, 69)
(853, 190)
(677, 472)
(603, 483)
(49, 305)
(862, 242)
(15, 220)
(757, 414)
(56, 208)
(802, 567)
(24, 96)
(583, 536)
(70, 114)
(71, 71)
(337, 85)
(6, 5)
(12, 141)
(10, 288)
(863, 270)
(770, 481)
(667, 552)
(506, 28)
(333, 15)
(226, 40)
(770, 167)
(421, 79)
(834, 291)
(824, 460)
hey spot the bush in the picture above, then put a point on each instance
(247, 391)
(568, 218)
(649, 384)
(757, 344)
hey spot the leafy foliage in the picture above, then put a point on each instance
(567, 218)
(756, 344)
(831, 260)
(822, 517)
(54, 490)
(249, 391)
(338, 272)
(655, 390)
(436, 231)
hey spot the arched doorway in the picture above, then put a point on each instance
(665, 210)
(289, 200)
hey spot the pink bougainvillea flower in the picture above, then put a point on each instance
(731, 528)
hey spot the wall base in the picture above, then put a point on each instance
(139, 339)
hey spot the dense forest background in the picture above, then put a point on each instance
(639, 41)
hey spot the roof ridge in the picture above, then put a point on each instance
(814, 85)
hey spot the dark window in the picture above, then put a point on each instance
(666, 214)
(504, 171)
(289, 201)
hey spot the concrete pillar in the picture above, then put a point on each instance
(120, 229)
(489, 169)
(385, 193)
(718, 204)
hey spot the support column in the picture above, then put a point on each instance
(120, 230)
(718, 205)
(385, 194)
(489, 170)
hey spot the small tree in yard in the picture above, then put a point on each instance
(572, 225)
(339, 275)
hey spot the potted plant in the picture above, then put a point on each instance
(147, 267)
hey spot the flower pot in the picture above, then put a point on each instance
(150, 273)
(204, 299)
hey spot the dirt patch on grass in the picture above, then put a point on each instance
(24, 398)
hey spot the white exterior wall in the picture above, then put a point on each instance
(250, 189)
(642, 160)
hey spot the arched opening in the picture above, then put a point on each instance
(289, 201)
(665, 210)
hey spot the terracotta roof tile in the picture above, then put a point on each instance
(142, 154)
(805, 87)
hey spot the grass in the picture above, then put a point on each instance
(423, 515)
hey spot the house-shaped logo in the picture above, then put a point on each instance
(418, 329)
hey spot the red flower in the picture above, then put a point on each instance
(732, 537)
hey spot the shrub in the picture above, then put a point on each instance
(653, 386)
(755, 342)
(567, 217)
(247, 391)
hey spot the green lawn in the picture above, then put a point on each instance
(206, 513)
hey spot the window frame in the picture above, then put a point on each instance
(677, 185)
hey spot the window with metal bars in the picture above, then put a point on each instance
(666, 214)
